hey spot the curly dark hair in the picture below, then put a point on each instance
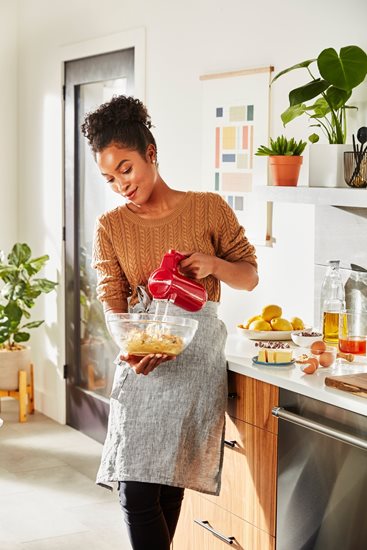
(122, 120)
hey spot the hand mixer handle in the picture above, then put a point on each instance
(177, 257)
(167, 283)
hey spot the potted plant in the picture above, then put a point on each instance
(95, 340)
(324, 99)
(284, 158)
(18, 294)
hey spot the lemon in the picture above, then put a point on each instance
(271, 311)
(260, 324)
(280, 324)
(297, 323)
(251, 319)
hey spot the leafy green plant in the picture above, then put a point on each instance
(281, 146)
(18, 294)
(91, 310)
(329, 91)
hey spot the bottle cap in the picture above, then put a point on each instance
(335, 263)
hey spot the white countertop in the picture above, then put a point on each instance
(239, 353)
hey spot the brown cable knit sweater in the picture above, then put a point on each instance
(127, 248)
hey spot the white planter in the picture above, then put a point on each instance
(10, 363)
(326, 165)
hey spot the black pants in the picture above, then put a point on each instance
(151, 513)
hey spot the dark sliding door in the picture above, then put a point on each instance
(89, 349)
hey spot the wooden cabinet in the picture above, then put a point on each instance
(204, 525)
(184, 535)
(245, 508)
(251, 400)
(249, 474)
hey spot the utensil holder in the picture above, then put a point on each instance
(355, 169)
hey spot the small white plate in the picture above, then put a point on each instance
(287, 365)
(270, 335)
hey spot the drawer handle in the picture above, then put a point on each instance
(232, 395)
(206, 525)
(231, 443)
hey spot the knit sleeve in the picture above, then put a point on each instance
(112, 285)
(232, 244)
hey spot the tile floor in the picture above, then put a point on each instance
(48, 498)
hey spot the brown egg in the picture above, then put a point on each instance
(310, 366)
(318, 347)
(326, 359)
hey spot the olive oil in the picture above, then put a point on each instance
(332, 302)
(330, 327)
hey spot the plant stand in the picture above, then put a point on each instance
(24, 394)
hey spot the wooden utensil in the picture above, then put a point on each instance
(347, 356)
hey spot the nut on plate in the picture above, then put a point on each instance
(302, 358)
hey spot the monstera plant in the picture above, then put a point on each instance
(18, 294)
(325, 95)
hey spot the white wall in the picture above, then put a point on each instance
(8, 123)
(184, 40)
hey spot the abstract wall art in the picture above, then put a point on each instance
(235, 122)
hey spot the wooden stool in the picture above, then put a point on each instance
(24, 394)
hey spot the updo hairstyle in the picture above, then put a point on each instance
(123, 121)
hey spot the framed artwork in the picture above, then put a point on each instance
(235, 122)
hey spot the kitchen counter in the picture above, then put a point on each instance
(239, 352)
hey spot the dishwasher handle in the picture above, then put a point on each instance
(344, 437)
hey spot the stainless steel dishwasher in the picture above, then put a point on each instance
(322, 476)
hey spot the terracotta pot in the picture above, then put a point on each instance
(10, 363)
(285, 169)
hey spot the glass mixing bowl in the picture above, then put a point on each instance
(144, 333)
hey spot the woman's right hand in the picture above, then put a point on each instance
(145, 365)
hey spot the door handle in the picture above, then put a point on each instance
(344, 437)
(232, 443)
(207, 526)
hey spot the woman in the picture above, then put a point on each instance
(165, 430)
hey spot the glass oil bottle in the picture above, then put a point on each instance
(332, 302)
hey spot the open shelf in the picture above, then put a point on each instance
(334, 196)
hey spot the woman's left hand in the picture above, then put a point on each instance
(145, 365)
(197, 265)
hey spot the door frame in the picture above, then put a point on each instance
(135, 38)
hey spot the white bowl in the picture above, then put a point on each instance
(304, 341)
(272, 335)
(143, 333)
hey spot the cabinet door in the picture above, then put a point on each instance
(249, 474)
(251, 400)
(184, 535)
(233, 530)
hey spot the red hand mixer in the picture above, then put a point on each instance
(167, 283)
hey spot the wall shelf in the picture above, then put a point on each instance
(333, 196)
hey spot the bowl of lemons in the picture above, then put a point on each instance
(270, 324)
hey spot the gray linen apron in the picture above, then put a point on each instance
(168, 427)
